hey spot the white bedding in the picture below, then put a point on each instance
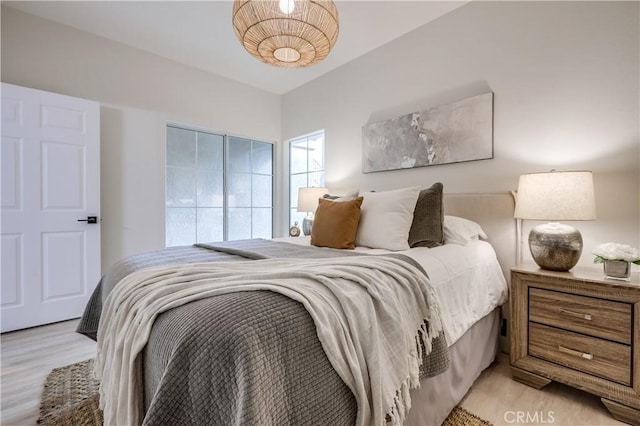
(468, 280)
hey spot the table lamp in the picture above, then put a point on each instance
(308, 202)
(556, 196)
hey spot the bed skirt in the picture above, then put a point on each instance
(436, 397)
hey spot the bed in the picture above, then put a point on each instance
(469, 299)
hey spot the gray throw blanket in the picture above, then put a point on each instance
(242, 358)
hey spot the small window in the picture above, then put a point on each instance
(306, 169)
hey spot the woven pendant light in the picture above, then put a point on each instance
(286, 33)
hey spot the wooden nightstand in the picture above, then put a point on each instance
(578, 329)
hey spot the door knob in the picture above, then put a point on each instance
(89, 219)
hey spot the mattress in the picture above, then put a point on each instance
(468, 280)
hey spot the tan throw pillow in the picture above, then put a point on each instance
(336, 223)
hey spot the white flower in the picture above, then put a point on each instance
(615, 251)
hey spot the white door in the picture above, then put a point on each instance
(50, 173)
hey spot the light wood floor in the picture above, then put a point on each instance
(29, 355)
(499, 399)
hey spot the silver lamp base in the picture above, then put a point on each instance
(555, 246)
(307, 223)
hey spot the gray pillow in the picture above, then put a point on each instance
(331, 197)
(349, 196)
(428, 217)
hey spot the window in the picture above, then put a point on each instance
(250, 189)
(218, 187)
(306, 169)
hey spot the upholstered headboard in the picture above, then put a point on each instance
(494, 212)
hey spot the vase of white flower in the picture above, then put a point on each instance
(617, 260)
(617, 269)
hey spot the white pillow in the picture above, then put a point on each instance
(458, 230)
(386, 217)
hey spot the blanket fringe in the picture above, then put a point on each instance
(401, 404)
(402, 400)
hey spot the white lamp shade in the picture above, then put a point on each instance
(556, 196)
(308, 198)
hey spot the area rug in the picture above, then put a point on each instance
(70, 398)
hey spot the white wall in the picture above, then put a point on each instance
(566, 92)
(564, 75)
(139, 93)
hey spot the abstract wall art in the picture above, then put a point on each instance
(452, 133)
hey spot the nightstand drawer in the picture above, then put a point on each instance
(599, 357)
(595, 317)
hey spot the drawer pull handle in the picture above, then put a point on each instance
(576, 314)
(576, 353)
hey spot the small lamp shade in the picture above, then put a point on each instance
(556, 196)
(308, 202)
(308, 198)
